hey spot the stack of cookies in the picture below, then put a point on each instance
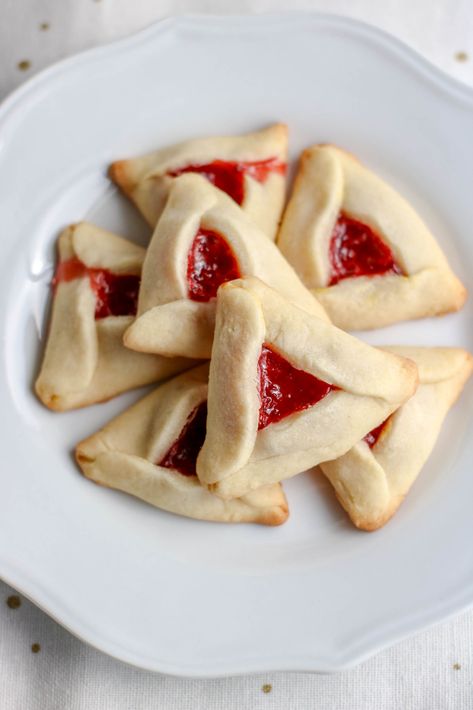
(247, 315)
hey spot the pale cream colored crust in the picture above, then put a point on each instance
(372, 483)
(331, 180)
(168, 322)
(236, 457)
(85, 360)
(145, 181)
(124, 455)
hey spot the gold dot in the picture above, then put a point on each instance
(35, 647)
(461, 57)
(13, 602)
(456, 666)
(24, 65)
(267, 688)
(44, 26)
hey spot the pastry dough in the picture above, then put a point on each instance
(371, 483)
(170, 321)
(125, 455)
(85, 360)
(251, 167)
(362, 387)
(333, 193)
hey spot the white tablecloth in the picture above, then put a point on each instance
(432, 671)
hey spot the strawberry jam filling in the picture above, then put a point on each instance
(355, 250)
(210, 263)
(372, 437)
(229, 175)
(115, 294)
(182, 456)
(284, 390)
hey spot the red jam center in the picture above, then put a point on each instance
(355, 250)
(229, 176)
(210, 263)
(372, 437)
(284, 390)
(115, 294)
(182, 456)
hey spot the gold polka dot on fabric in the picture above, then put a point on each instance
(44, 26)
(461, 56)
(24, 65)
(13, 602)
(267, 688)
(456, 666)
(35, 647)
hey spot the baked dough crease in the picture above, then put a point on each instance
(201, 240)
(361, 248)
(372, 479)
(251, 168)
(85, 360)
(149, 451)
(288, 390)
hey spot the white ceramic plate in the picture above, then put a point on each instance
(176, 595)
